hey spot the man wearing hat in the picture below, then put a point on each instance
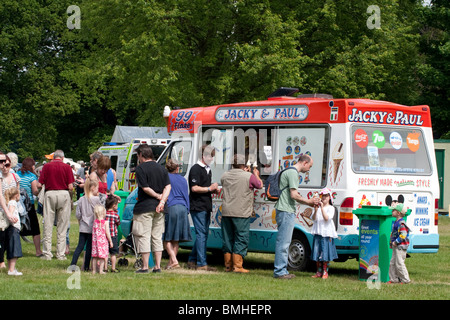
(399, 242)
(57, 177)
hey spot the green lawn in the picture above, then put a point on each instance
(49, 280)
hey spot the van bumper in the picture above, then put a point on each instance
(347, 244)
(423, 243)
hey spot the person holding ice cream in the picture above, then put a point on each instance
(324, 231)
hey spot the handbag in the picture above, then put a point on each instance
(4, 221)
(23, 206)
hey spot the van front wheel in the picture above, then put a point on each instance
(299, 253)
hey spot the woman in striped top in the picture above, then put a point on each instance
(29, 181)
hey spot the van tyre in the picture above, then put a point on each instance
(299, 253)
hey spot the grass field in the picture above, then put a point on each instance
(49, 280)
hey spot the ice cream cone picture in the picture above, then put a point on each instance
(337, 157)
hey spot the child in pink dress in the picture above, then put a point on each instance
(100, 239)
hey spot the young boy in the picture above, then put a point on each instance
(399, 243)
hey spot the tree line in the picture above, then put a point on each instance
(70, 71)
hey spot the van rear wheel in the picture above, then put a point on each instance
(299, 253)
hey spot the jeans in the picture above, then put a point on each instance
(84, 239)
(285, 223)
(201, 220)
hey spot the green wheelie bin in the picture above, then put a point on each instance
(123, 197)
(375, 225)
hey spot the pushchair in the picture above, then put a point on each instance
(126, 247)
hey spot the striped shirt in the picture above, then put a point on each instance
(114, 220)
(25, 182)
(400, 234)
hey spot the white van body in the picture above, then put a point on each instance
(367, 152)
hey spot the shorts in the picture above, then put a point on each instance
(147, 229)
(115, 248)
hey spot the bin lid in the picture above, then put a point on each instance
(122, 194)
(376, 211)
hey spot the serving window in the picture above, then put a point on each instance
(255, 143)
(313, 141)
(270, 149)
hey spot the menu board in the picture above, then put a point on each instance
(294, 142)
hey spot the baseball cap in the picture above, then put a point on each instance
(400, 207)
(327, 191)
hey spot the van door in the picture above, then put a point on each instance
(180, 151)
(132, 163)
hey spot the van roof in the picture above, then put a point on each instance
(303, 109)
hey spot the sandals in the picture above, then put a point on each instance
(174, 266)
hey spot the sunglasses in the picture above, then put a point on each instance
(2, 160)
(7, 165)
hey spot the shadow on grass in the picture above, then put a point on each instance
(264, 261)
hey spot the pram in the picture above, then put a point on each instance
(128, 246)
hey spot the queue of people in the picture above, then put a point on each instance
(156, 188)
(160, 217)
(10, 224)
(53, 186)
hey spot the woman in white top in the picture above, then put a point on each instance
(7, 180)
(324, 231)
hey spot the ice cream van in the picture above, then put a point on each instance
(124, 158)
(367, 152)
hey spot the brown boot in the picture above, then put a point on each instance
(238, 260)
(228, 262)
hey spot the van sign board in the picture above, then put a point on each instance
(261, 114)
(397, 117)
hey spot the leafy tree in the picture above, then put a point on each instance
(33, 93)
(68, 88)
(434, 71)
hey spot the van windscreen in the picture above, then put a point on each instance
(389, 150)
